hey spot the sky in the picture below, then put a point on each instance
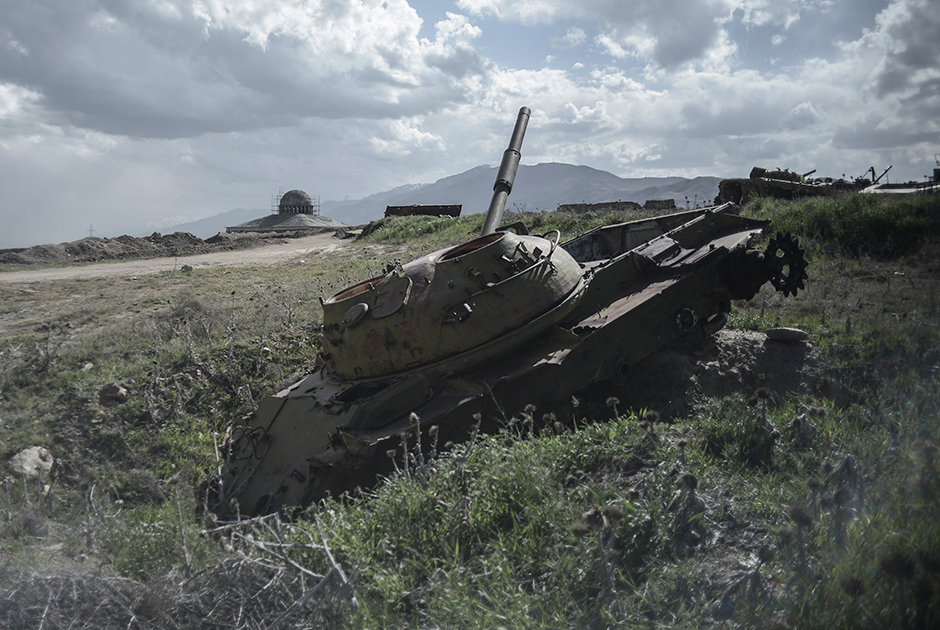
(122, 115)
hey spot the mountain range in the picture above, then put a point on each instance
(536, 188)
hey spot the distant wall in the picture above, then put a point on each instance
(618, 206)
(604, 206)
(452, 210)
(660, 204)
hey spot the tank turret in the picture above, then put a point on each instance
(444, 304)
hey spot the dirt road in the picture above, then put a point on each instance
(308, 248)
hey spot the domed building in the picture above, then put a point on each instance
(296, 212)
(296, 202)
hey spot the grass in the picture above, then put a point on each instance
(733, 515)
(423, 233)
(854, 224)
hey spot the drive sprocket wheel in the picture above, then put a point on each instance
(786, 266)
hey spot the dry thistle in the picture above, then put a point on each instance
(843, 497)
(764, 555)
(579, 529)
(612, 403)
(594, 519)
(801, 517)
(682, 444)
(433, 434)
(648, 425)
(391, 454)
(815, 487)
(614, 513)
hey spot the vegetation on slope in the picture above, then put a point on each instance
(736, 515)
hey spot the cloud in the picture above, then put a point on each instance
(666, 32)
(779, 12)
(406, 136)
(574, 37)
(802, 116)
(175, 69)
(908, 35)
(901, 57)
(14, 100)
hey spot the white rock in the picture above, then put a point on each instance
(786, 334)
(34, 461)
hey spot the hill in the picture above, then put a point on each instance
(210, 226)
(539, 187)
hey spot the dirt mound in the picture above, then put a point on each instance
(95, 249)
(728, 362)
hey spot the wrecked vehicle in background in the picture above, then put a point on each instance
(785, 184)
(488, 327)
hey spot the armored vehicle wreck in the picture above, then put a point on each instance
(487, 327)
(786, 184)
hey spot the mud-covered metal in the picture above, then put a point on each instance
(487, 327)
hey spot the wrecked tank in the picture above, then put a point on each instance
(476, 332)
(786, 184)
(780, 184)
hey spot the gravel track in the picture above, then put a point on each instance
(309, 248)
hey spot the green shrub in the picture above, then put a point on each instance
(857, 224)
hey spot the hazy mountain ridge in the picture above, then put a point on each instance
(540, 187)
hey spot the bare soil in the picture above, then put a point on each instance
(83, 296)
(256, 252)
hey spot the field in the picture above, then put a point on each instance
(768, 502)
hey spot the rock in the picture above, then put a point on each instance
(88, 366)
(186, 268)
(112, 393)
(786, 334)
(34, 461)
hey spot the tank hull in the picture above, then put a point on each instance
(639, 286)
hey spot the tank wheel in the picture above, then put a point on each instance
(786, 266)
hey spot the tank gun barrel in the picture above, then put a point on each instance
(506, 174)
(883, 173)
